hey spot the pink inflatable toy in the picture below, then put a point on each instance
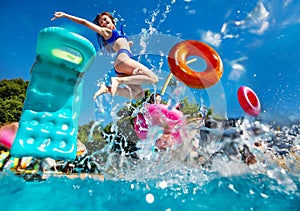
(159, 115)
(8, 134)
(249, 101)
(140, 127)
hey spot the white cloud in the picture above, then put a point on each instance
(287, 2)
(227, 31)
(258, 19)
(264, 26)
(212, 38)
(237, 69)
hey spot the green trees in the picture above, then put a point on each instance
(12, 96)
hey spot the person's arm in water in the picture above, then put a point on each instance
(105, 32)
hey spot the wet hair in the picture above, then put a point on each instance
(101, 41)
(152, 98)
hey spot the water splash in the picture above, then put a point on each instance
(210, 150)
(153, 27)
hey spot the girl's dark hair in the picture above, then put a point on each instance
(152, 99)
(101, 41)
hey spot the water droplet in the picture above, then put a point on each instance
(150, 198)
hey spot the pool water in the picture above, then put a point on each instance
(175, 180)
(257, 41)
(246, 192)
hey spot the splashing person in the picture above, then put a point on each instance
(155, 99)
(169, 137)
(128, 71)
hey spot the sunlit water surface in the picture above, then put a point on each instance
(206, 172)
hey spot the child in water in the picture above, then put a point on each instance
(170, 135)
(128, 71)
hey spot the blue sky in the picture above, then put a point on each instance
(257, 41)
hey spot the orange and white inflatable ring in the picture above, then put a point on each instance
(177, 62)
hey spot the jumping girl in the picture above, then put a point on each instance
(128, 71)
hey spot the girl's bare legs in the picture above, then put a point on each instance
(135, 91)
(138, 74)
(129, 80)
(103, 89)
(133, 81)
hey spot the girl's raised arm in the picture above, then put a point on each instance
(106, 33)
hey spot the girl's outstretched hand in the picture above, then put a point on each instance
(58, 15)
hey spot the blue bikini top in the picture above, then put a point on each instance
(116, 34)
